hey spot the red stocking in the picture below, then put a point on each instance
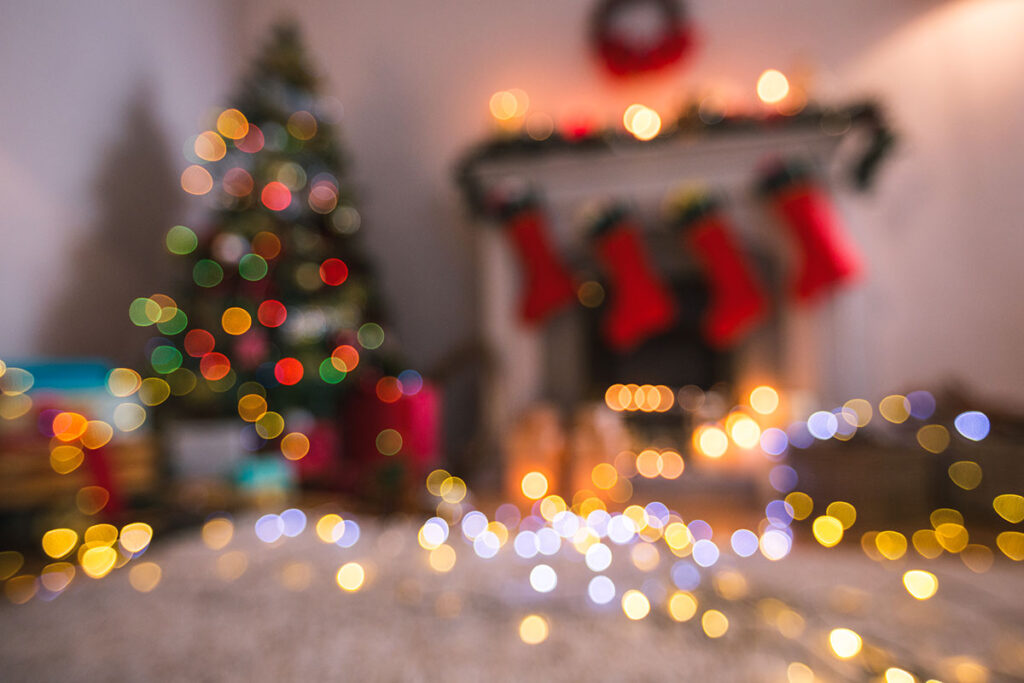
(641, 305)
(737, 302)
(548, 285)
(827, 259)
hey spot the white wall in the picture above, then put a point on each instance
(98, 98)
(939, 232)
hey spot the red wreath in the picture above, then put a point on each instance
(623, 57)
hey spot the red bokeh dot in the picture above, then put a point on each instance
(276, 196)
(288, 371)
(214, 366)
(252, 142)
(198, 342)
(389, 389)
(333, 271)
(271, 313)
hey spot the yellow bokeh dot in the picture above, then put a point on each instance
(843, 511)
(921, 584)
(232, 124)
(135, 536)
(350, 576)
(926, 543)
(1012, 544)
(714, 623)
(97, 434)
(123, 382)
(844, 642)
(453, 490)
(682, 606)
(764, 400)
(302, 125)
(218, 532)
(933, 438)
(648, 463)
(635, 604)
(295, 445)
(236, 321)
(828, 530)
(891, 544)
(966, 474)
(57, 576)
(270, 425)
(894, 408)
(98, 561)
(711, 441)
(209, 146)
(772, 86)
(952, 537)
(604, 476)
(59, 542)
(801, 504)
(533, 629)
(896, 675)
(860, 409)
(798, 672)
(434, 481)
(145, 576)
(252, 407)
(66, 458)
(154, 391)
(442, 558)
(389, 442)
(1009, 506)
(21, 589)
(534, 485)
(329, 529)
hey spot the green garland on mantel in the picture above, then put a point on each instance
(689, 126)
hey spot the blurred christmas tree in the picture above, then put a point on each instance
(282, 308)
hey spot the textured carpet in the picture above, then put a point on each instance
(285, 619)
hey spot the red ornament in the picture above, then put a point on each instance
(333, 271)
(641, 305)
(288, 371)
(271, 313)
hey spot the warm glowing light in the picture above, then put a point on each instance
(1009, 506)
(350, 576)
(891, 544)
(295, 446)
(844, 642)
(217, 533)
(921, 584)
(642, 122)
(843, 511)
(145, 576)
(682, 606)
(744, 431)
(772, 86)
(509, 104)
(276, 196)
(897, 675)
(59, 542)
(196, 180)
(135, 537)
(711, 441)
(232, 124)
(966, 474)
(209, 146)
(288, 371)
(534, 485)
(828, 531)
(714, 623)
(236, 321)
(635, 604)
(533, 629)
(764, 400)
(98, 561)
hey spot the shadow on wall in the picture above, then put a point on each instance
(121, 257)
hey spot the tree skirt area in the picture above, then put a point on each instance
(254, 611)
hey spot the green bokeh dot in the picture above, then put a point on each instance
(144, 311)
(329, 373)
(370, 336)
(252, 267)
(175, 325)
(181, 240)
(165, 359)
(207, 273)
